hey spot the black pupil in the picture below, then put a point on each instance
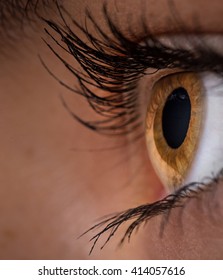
(176, 117)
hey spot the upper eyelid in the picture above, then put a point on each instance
(165, 47)
(123, 45)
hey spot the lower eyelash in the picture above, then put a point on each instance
(143, 213)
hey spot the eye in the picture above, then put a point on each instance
(183, 127)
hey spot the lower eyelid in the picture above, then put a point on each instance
(193, 231)
(187, 214)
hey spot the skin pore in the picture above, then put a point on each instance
(55, 184)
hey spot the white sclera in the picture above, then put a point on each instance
(208, 158)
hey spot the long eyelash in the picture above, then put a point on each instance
(143, 213)
(115, 65)
(118, 108)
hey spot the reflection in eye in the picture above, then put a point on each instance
(125, 62)
(174, 124)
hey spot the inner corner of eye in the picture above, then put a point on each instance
(174, 125)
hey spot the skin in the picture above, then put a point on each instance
(52, 191)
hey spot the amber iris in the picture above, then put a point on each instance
(173, 125)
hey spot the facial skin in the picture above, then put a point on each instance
(53, 188)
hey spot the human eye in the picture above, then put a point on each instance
(113, 71)
(181, 117)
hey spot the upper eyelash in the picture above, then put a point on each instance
(115, 65)
(99, 60)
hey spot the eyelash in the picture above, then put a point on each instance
(143, 213)
(115, 65)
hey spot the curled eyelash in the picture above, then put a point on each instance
(118, 108)
(115, 64)
(143, 213)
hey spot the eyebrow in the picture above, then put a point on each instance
(14, 14)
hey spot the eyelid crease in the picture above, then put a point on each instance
(189, 42)
(143, 213)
